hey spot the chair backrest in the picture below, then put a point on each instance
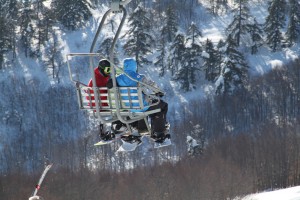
(130, 98)
(132, 105)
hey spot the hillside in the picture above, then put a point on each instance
(249, 136)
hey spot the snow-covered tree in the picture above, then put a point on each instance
(167, 35)
(233, 70)
(218, 5)
(5, 42)
(54, 57)
(140, 40)
(71, 13)
(105, 47)
(9, 8)
(177, 50)
(193, 34)
(186, 74)
(256, 34)
(27, 27)
(190, 59)
(35, 22)
(162, 56)
(196, 146)
(293, 30)
(43, 19)
(239, 26)
(9, 16)
(211, 65)
(170, 29)
(275, 21)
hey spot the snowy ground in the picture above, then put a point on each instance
(292, 193)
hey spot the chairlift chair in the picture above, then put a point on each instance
(119, 102)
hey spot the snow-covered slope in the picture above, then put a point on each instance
(292, 193)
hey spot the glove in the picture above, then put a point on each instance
(109, 84)
(159, 94)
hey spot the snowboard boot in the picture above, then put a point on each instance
(118, 127)
(160, 137)
(132, 139)
(167, 125)
(107, 136)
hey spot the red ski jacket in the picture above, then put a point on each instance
(101, 81)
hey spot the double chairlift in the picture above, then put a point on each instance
(118, 103)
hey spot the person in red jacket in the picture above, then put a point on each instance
(102, 75)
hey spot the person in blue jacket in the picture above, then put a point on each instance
(158, 120)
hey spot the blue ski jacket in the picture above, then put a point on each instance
(130, 68)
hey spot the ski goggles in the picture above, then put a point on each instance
(106, 70)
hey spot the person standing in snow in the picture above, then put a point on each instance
(158, 120)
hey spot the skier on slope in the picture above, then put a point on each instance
(102, 75)
(158, 120)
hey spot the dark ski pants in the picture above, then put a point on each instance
(158, 120)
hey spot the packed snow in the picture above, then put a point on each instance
(292, 193)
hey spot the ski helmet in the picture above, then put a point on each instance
(104, 67)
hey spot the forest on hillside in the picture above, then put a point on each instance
(249, 143)
(173, 36)
(248, 130)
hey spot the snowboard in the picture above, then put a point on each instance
(166, 143)
(117, 137)
(127, 147)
